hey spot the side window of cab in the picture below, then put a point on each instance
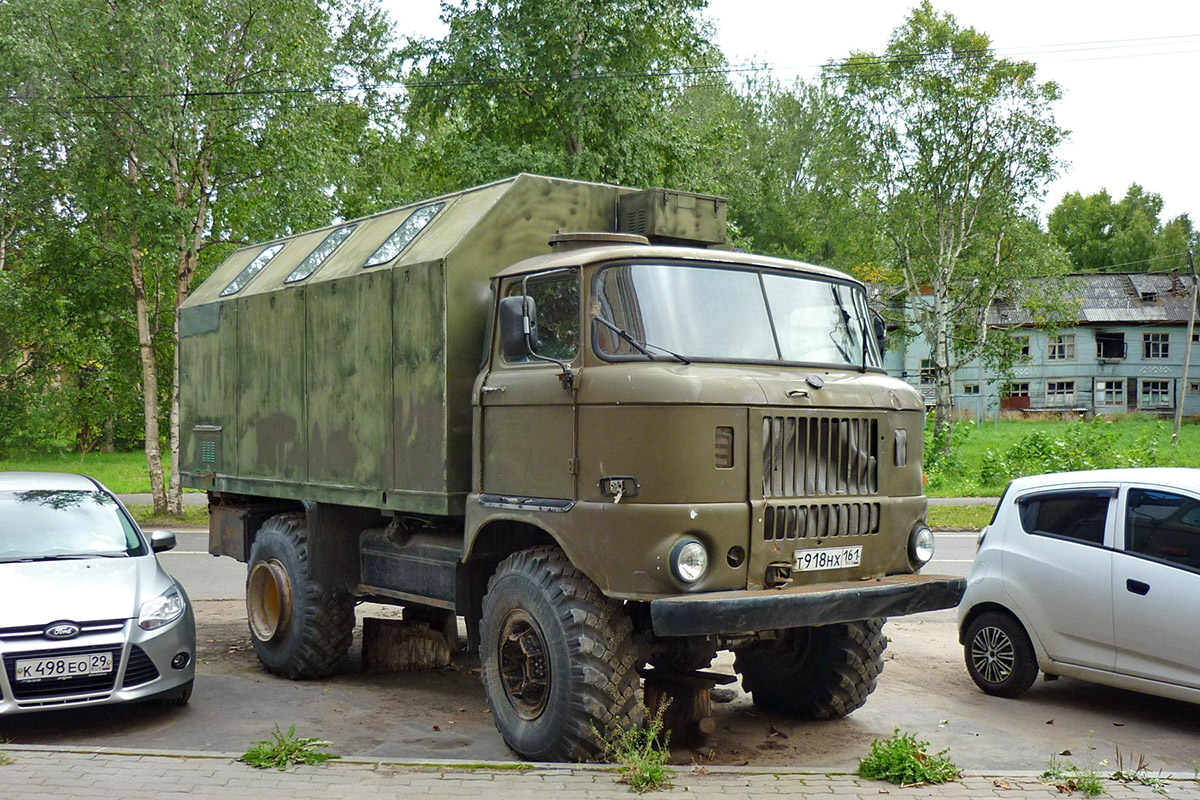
(556, 306)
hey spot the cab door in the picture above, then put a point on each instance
(1156, 580)
(527, 405)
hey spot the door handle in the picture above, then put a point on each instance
(490, 389)
(1137, 587)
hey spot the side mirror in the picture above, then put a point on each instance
(161, 541)
(514, 314)
(880, 328)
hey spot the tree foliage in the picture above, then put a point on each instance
(962, 145)
(1125, 235)
(179, 125)
(557, 86)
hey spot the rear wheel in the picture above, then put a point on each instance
(819, 672)
(999, 655)
(559, 666)
(300, 629)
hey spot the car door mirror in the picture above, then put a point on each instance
(880, 330)
(161, 541)
(518, 316)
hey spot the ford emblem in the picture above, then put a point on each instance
(61, 630)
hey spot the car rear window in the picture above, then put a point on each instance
(49, 524)
(1071, 515)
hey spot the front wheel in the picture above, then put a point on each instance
(819, 672)
(300, 629)
(559, 665)
(999, 655)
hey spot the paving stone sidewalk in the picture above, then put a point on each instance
(40, 773)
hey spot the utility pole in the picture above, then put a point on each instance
(1187, 355)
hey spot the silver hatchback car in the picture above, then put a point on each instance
(87, 615)
(1092, 575)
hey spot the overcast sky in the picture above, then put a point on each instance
(1130, 71)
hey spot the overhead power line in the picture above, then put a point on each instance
(966, 60)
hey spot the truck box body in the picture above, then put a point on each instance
(353, 386)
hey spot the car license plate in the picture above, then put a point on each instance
(57, 667)
(827, 558)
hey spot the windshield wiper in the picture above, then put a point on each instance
(62, 557)
(640, 346)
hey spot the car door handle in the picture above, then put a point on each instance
(1137, 587)
(491, 389)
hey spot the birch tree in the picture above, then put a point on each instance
(186, 124)
(962, 144)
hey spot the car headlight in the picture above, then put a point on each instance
(921, 545)
(689, 560)
(162, 610)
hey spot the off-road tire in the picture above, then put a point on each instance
(819, 672)
(316, 633)
(537, 599)
(999, 656)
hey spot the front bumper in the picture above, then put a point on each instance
(800, 606)
(142, 667)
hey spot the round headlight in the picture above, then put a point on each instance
(921, 545)
(689, 560)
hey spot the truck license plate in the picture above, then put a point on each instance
(827, 558)
(73, 666)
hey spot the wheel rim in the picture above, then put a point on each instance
(993, 654)
(268, 599)
(524, 665)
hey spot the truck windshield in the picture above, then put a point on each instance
(720, 313)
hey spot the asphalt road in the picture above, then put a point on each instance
(441, 714)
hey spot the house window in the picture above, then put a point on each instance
(1022, 346)
(1195, 337)
(1110, 393)
(1018, 389)
(1193, 387)
(1060, 393)
(971, 388)
(1155, 394)
(1110, 345)
(1061, 347)
(928, 371)
(1156, 345)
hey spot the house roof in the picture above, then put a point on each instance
(1108, 298)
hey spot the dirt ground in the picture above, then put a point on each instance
(443, 713)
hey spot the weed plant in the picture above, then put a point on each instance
(286, 750)
(641, 753)
(903, 760)
(1070, 778)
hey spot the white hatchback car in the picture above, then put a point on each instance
(87, 615)
(1092, 575)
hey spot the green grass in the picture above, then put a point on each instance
(123, 473)
(193, 516)
(978, 446)
(959, 518)
(284, 750)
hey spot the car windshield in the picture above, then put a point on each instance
(723, 313)
(37, 525)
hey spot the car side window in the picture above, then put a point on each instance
(1164, 526)
(1071, 515)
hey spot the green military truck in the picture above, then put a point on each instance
(568, 414)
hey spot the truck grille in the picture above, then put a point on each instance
(822, 455)
(820, 519)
